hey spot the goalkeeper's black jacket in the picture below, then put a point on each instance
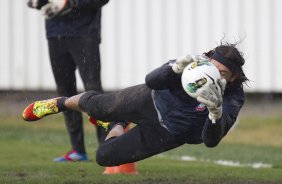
(82, 21)
(184, 115)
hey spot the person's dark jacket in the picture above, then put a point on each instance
(82, 21)
(184, 115)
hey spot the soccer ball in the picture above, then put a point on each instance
(198, 75)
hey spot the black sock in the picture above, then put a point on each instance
(61, 103)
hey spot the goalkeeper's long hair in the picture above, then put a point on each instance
(229, 51)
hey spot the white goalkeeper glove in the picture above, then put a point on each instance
(57, 7)
(183, 61)
(212, 98)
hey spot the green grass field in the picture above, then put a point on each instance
(27, 150)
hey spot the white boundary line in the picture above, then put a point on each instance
(229, 163)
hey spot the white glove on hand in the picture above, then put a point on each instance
(212, 98)
(183, 61)
(57, 7)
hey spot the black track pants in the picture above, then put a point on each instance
(66, 55)
(132, 104)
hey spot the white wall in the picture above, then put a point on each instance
(139, 35)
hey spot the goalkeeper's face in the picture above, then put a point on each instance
(224, 71)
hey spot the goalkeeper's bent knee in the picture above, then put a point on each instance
(85, 97)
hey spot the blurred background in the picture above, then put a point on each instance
(139, 35)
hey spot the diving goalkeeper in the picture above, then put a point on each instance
(165, 116)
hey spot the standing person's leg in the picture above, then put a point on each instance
(63, 68)
(86, 54)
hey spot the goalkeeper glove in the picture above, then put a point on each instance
(212, 98)
(58, 7)
(37, 4)
(183, 61)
